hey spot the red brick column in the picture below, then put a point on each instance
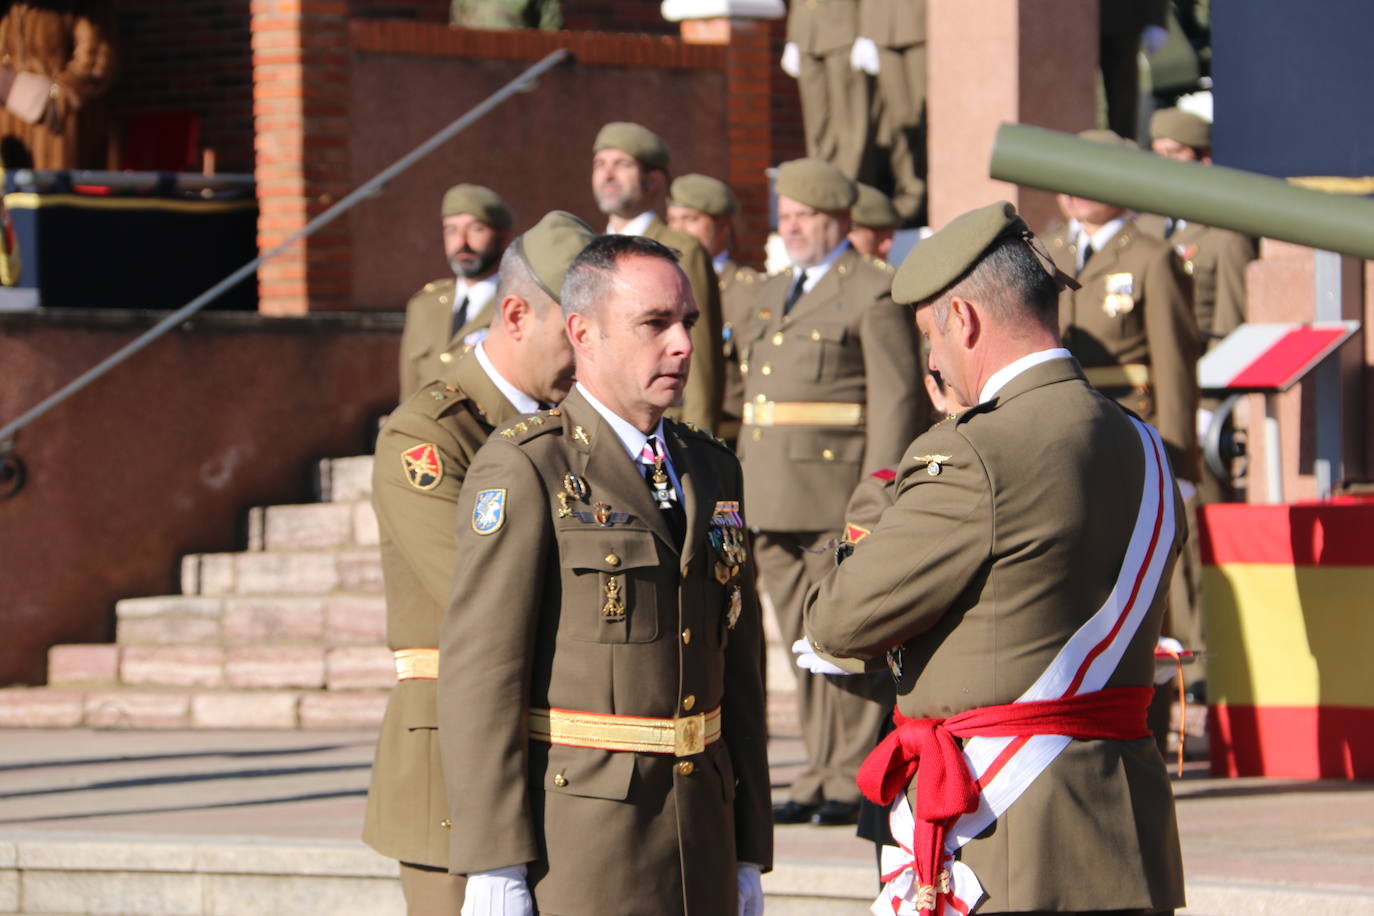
(300, 112)
(748, 120)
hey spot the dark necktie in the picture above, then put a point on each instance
(1087, 253)
(655, 468)
(795, 292)
(460, 315)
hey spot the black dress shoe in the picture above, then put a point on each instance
(792, 812)
(833, 813)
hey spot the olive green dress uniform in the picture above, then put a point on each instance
(980, 573)
(898, 28)
(1216, 260)
(428, 345)
(416, 502)
(834, 98)
(843, 347)
(606, 832)
(1135, 309)
(739, 288)
(701, 397)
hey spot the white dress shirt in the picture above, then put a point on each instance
(632, 439)
(523, 402)
(999, 379)
(636, 226)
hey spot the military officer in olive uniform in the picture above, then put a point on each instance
(423, 453)
(630, 182)
(835, 96)
(601, 700)
(832, 390)
(1015, 589)
(1215, 258)
(875, 223)
(448, 316)
(1131, 323)
(705, 208)
(892, 47)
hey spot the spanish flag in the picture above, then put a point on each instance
(1288, 594)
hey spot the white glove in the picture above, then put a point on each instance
(1153, 38)
(499, 892)
(791, 59)
(864, 56)
(750, 890)
(809, 660)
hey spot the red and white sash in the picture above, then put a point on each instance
(1005, 767)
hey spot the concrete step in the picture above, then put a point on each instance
(310, 667)
(282, 573)
(344, 480)
(193, 620)
(314, 526)
(196, 708)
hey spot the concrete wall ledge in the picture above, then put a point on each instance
(140, 319)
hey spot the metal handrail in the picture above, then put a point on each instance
(524, 82)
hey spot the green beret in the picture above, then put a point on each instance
(475, 200)
(634, 139)
(816, 183)
(1109, 137)
(938, 261)
(549, 246)
(874, 209)
(700, 192)
(1181, 126)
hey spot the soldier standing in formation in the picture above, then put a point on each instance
(875, 222)
(423, 453)
(1002, 619)
(835, 96)
(448, 316)
(1214, 258)
(832, 389)
(630, 182)
(600, 687)
(705, 208)
(892, 46)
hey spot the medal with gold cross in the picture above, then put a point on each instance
(663, 487)
(726, 537)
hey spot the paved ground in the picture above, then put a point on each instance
(304, 785)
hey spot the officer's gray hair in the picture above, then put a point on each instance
(515, 279)
(1011, 284)
(593, 272)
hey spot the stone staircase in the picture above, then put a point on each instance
(287, 634)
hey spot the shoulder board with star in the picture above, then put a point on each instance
(747, 275)
(438, 286)
(878, 263)
(692, 431)
(531, 426)
(436, 399)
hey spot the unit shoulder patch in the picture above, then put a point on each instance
(424, 469)
(489, 511)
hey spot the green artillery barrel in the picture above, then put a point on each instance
(1209, 194)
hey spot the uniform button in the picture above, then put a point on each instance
(828, 455)
(444, 297)
(687, 636)
(446, 824)
(686, 767)
(767, 369)
(560, 780)
(744, 368)
(761, 398)
(612, 560)
(815, 335)
(688, 702)
(445, 357)
(777, 339)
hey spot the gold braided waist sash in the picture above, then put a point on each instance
(416, 664)
(803, 413)
(1127, 375)
(680, 737)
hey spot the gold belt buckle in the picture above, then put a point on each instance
(689, 735)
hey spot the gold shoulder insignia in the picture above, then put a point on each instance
(933, 463)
